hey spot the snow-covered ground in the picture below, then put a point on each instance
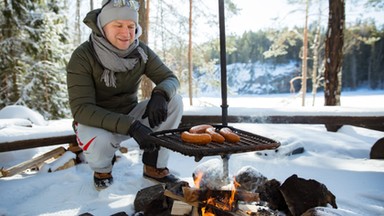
(340, 160)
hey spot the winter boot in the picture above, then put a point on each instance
(159, 175)
(102, 180)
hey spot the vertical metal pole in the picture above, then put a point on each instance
(225, 159)
(223, 64)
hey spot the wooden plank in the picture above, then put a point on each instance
(33, 162)
(40, 142)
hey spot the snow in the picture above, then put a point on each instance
(339, 160)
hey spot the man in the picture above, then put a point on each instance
(103, 78)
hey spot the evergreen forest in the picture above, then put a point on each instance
(38, 37)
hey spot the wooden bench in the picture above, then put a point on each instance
(332, 123)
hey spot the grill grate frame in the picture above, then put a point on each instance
(171, 139)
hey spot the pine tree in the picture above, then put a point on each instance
(45, 84)
(32, 59)
(12, 64)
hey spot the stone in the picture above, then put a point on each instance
(249, 179)
(301, 194)
(377, 150)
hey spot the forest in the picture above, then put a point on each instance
(38, 37)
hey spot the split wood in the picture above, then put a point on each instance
(32, 163)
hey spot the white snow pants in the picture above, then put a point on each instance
(99, 145)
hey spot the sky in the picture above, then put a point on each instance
(256, 15)
(339, 160)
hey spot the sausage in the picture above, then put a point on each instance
(199, 128)
(229, 135)
(216, 137)
(196, 138)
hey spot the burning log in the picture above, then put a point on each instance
(199, 195)
(211, 210)
(216, 202)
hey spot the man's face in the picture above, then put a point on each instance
(120, 33)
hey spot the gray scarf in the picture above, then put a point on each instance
(115, 60)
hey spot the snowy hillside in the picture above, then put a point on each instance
(252, 78)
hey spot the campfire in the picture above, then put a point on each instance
(215, 193)
(220, 202)
(209, 202)
(248, 193)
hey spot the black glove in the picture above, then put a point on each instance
(157, 109)
(140, 133)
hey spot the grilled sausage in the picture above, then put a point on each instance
(229, 135)
(216, 137)
(199, 128)
(196, 138)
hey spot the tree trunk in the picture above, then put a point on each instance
(334, 52)
(316, 51)
(78, 22)
(146, 83)
(190, 68)
(305, 56)
(354, 71)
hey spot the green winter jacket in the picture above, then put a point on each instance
(93, 103)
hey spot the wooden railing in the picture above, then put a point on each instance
(332, 123)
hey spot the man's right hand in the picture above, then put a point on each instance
(140, 133)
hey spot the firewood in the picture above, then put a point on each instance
(73, 147)
(191, 194)
(195, 194)
(68, 164)
(181, 208)
(31, 163)
(180, 198)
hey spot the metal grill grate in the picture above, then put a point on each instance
(171, 139)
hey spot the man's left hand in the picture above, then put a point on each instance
(157, 109)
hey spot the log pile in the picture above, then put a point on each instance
(56, 159)
(35, 162)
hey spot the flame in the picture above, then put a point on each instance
(198, 178)
(203, 213)
(225, 204)
(233, 192)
